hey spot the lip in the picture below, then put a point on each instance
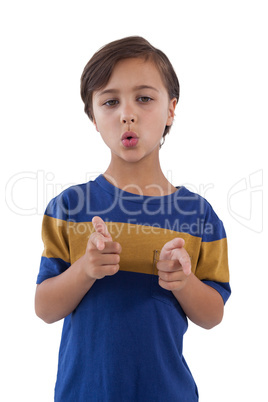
(129, 139)
(129, 134)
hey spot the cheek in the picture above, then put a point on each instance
(98, 121)
(158, 121)
(104, 127)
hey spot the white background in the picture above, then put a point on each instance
(216, 147)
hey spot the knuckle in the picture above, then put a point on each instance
(113, 269)
(117, 259)
(116, 268)
(117, 247)
(168, 286)
(92, 258)
(173, 264)
(171, 286)
(95, 273)
(166, 276)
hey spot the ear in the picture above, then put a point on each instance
(171, 111)
(95, 124)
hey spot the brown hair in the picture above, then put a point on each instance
(99, 69)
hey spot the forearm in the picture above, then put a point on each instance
(201, 303)
(57, 297)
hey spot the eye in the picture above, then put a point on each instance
(111, 102)
(144, 99)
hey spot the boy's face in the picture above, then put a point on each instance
(133, 109)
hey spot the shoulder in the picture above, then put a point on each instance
(76, 202)
(196, 204)
(69, 200)
(200, 208)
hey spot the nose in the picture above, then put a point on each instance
(127, 116)
(128, 120)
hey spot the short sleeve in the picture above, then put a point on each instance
(56, 257)
(212, 266)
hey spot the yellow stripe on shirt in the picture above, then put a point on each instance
(68, 241)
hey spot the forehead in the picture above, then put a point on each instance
(135, 72)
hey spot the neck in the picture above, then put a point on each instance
(139, 177)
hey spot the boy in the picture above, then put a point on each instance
(128, 257)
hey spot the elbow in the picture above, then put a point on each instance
(207, 322)
(214, 321)
(42, 315)
(42, 312)
(212, 324)
(45, 317)
(216, 315)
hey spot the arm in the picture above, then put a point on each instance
(200, 302)
(58, 296)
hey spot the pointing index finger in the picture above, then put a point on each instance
(174, 249)
(100, 227)
(170, 246)
(101, 234)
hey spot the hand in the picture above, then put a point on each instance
(102, 254)
(174, 265)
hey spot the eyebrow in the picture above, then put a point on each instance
(136, 88)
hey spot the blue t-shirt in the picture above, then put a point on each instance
(123, 342)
